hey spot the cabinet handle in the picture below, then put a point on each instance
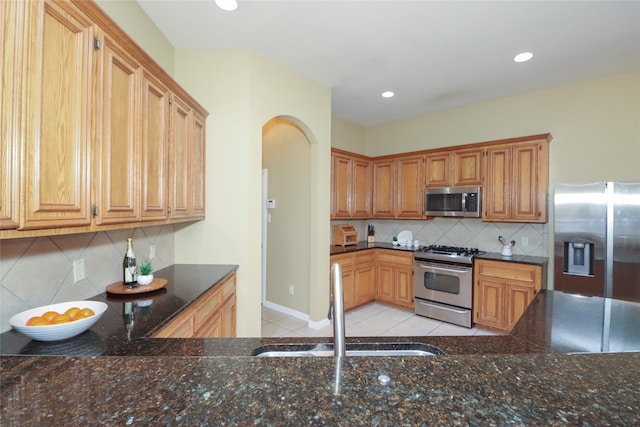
(94, 210)
(168, 209)
(96, 43)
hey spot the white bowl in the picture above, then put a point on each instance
(59, 331)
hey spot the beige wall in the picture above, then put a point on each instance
(595, 126)
(132, 19)
(348, 136)
(243, 91)
(286, 154)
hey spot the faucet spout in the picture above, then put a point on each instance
(337, 306)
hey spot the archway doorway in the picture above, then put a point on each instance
(286, 158)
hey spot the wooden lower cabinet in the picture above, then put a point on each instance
(213, 315)
(358, 277)
(394, 278)
(376, 275)
(504, 290)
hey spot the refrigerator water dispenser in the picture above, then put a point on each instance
(578, 258)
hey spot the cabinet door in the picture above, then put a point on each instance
(119, 152)
(384, 188)
(489, 303)
(385, 277)
(11, 28)
(213, 328)
(155, 148)
(228, 312)
(438, 169)
(517, 299)
(57, 116)
(361, 189)
(498, 186)
(364, 283)
(341, 174)
(529, 183)
(197, 157)
(467, 167)
(403, 287)
(348, 283)
(180, 141)
(409, 188)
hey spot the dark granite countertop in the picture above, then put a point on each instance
(530, 377)
(523, 259)
(361, 246)
(151, 311)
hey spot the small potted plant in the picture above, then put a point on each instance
(146, 274)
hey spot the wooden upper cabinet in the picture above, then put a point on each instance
(198, 166)
(516, 185)
(384, 188)
(180, 140)
(466, 167)
(119, 152)
(438, 169)
(458, 167)
(12, 13)
(341, 185)
(498, 184)
(350, 186)
(87, 119)
(530, 182)
(410, 191)
(57, 101)
(361, 188)
(155, 148)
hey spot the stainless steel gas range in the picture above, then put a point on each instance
(443, 283)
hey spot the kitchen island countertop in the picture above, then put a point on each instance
(531, 377)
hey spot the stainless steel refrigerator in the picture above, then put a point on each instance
(597, 239)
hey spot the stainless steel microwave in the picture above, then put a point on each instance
(454, 202)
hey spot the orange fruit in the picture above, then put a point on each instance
(50, 315)
(61, 318)
(37, 321)
(86, 312)
(72, 312)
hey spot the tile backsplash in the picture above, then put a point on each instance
(39, 271)
(464, 232)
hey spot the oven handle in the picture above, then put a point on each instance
(434, 268)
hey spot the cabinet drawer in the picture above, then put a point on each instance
(509, 270)
(180, 327)
(208, 304)
(364, 256)
(228, 288)
(344, 260)
(395, 257)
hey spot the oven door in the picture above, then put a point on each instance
(444, 283)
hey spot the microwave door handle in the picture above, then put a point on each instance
(464, 201)
(435, 269)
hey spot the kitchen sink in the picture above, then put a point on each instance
(353, 349)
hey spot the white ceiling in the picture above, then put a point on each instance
(435, 55)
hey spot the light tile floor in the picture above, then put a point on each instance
(373, 319)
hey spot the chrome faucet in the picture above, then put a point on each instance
(336, 311)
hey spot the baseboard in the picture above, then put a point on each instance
(297, 314)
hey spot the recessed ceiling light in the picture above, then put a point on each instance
(228, 5)
(523, 57)
(388, 94)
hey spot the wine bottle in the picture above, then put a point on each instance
(129, 266)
